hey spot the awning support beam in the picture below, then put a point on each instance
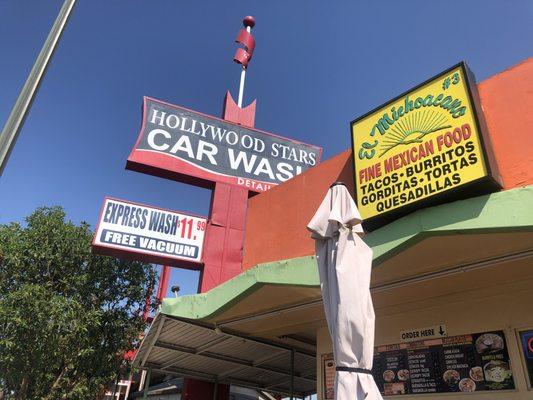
(182, 372)
(285, 380)
(256, 363)
(229, 359)
(275, 346)
(198, 350)
(154, 340)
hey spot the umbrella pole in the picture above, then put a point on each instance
(292, 375)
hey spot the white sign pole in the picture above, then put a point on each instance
(243, 77)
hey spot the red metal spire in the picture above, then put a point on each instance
(235, 112)
(249, 21)
(244, 37)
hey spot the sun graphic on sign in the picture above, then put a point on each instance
(413, 129)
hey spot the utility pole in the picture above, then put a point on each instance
(20, 110)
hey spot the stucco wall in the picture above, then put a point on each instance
(506, 308)
(507, 100)
(276, 220)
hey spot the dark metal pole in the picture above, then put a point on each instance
(147, 384)
(14, 123)
(116, 383)
(292, 375)
(215, 389)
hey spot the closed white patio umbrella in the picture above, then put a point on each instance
(345, 264)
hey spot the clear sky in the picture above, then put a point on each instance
(317, 65)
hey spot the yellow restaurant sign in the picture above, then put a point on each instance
(424, 147)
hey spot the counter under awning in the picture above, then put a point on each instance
(187, 348)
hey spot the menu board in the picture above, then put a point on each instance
(466, 363)
(526, 337)
(328, 366)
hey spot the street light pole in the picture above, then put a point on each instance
(21, 108)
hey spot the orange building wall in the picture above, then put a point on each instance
(277, 219)
(507, 100)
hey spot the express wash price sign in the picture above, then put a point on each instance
(423, 147)
(150, 234)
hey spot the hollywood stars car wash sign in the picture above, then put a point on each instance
(131, 230)
(424, 147)
(228, 156)
(180, 143)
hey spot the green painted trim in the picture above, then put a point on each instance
(294, 272)
(509, 210)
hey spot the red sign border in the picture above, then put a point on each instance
(194, 175)
(119, 252)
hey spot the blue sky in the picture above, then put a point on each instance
(317, 65)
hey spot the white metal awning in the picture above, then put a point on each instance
(188, 348)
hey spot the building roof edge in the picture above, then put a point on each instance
(504, 211)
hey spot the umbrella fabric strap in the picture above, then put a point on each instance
(350, 369)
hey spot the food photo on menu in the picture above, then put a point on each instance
(389, 375)
(390, 385)
(489, 343)
(467, 385)
(403, 375)
(496, 367)
(394, 388)
(454, 381)
(476, 374)
(451, 377)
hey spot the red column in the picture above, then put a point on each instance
(225, 234)
(224, 242)
(162, 287)
(200, 390)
